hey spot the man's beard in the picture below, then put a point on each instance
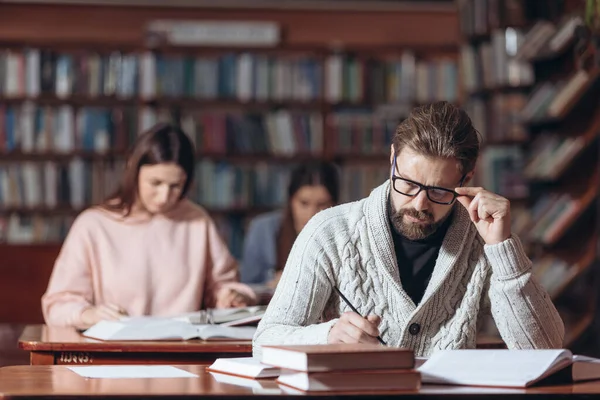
(414, 230)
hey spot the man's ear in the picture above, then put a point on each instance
(392, 152)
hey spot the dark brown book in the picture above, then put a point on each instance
(336, 357)
(358, 380)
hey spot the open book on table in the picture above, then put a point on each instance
(507, 368)
(165, 329)
(226, 316)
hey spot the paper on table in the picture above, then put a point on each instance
(132, 371)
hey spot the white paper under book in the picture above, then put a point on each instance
(505, 368)
(165, 329)
(247, 367)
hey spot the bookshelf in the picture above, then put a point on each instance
(68, 117)
(540, 133)
(347, 119)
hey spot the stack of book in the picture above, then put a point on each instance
(327, 368)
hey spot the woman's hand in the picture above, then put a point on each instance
(103, 312)
(228, 298)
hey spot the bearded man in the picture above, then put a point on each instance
(423, 258)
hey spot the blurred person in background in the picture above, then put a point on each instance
(312, 188)
(146, 250)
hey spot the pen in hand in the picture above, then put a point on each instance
(355, 310)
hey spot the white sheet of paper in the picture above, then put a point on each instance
(131, 371)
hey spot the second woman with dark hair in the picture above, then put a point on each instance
(146, 250)
(312, 188)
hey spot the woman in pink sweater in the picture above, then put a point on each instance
(146, 250)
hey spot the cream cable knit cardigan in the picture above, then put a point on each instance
(351, 246)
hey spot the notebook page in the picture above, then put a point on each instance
(510, 368)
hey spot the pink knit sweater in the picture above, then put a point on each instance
(161, 265)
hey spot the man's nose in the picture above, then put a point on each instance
(421, 201)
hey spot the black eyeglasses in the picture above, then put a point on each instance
(410, 188)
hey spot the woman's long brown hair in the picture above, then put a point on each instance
(163, 143)
(320, 173)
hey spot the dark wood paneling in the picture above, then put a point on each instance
(24, 274)
(125, 25)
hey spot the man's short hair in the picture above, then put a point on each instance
(440, 130)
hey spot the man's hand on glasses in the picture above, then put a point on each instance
(489, 212)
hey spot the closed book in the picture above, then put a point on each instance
(357, 380)
(335, 357)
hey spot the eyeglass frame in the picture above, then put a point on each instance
(424, 187)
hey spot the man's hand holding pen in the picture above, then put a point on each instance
(352, 328)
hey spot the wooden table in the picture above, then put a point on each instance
(48, 346)
(46, 381)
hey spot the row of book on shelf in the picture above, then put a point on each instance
(76, 183)
(31, 128)
(507, 116)
(47, 185)
(508, 170)
(505, 60)
(494, 64)
(241, 76)
(481, 18)
(552, 215)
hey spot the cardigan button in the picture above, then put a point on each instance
(414, 329)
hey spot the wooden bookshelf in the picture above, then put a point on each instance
(490, 91)
(67, 210)
(581, 264)
(586, 137)
(17, 156)
(583, 203)
(234, 158)
(578, 328)
(80, 29)
(550, 121)
(228, 127)
(505, 142)
(566, 248)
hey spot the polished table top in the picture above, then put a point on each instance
(44, 338)
(53, 381)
